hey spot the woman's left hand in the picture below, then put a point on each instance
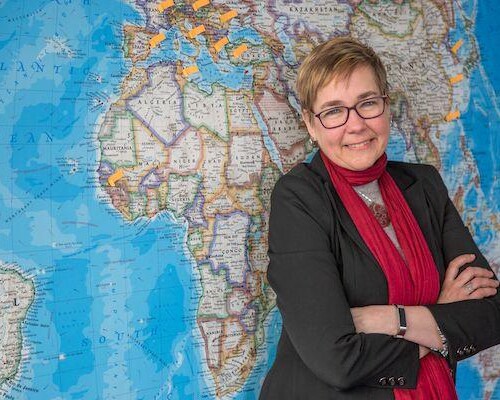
(471, 283)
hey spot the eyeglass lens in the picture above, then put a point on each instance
(366, 109)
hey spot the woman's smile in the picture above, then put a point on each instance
(360, 145)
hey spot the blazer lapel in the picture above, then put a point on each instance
(344, 218)
(414, 193)
(412, 190)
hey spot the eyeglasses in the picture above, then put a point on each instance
(334, 117)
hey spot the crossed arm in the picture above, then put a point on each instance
(471, 283)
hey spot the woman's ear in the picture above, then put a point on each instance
(307, 118)
(389, 109)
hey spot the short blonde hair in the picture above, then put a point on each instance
(335, 58)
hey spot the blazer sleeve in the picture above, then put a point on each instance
(310, 296)
(472, 325)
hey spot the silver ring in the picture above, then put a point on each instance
(468, 287)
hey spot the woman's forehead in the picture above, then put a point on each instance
(352, 83)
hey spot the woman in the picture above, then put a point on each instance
(379, 283)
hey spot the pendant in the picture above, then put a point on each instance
(381, 214)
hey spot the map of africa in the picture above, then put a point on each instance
(140, 141)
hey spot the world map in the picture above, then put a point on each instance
(139, 145)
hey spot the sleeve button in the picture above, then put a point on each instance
(382, 381)
(401, 381)
(392, 381)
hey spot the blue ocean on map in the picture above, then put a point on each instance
(101, 333)
(484, 120)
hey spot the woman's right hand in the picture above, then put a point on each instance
(471, 283)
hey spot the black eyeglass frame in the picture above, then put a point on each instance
(384, 96)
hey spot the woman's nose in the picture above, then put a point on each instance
(354, 122)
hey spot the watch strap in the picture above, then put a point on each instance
(402, 321)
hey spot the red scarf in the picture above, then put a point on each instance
(413, 282)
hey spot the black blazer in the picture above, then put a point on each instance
(320, 268)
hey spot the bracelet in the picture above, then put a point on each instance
(402, 321)
(444, 351)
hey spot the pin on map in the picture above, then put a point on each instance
(196, 31)
(115, 177)
(155, 40)
(240, 50)
(164, 5)
(228, 16)
(452, 115)
(456, 46)
(190, 70)
(457, 78)
(200, 3)
(220, 44)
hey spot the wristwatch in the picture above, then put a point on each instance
(402, 321)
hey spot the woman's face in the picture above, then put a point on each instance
(358, 143)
